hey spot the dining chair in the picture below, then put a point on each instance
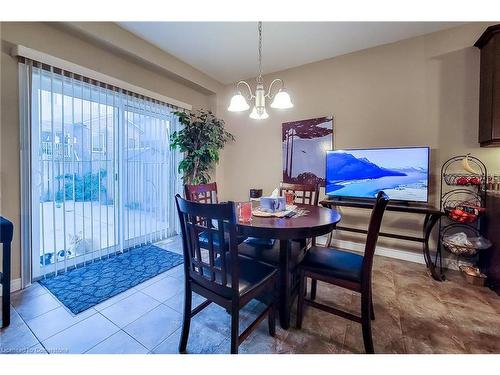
(202, 193)
(346, 270)
(219, 274)
(205, 193)
(304, 193)
(309, 195)
(270, 253)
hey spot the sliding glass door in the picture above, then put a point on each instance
(102, 175)
(146, 172)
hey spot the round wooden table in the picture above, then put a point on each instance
(317, 222)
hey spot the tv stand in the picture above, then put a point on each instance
(431, 217)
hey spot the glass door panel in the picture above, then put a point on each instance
(103, 176)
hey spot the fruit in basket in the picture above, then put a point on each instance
(462, 180)
(466, 166)
(464, 214)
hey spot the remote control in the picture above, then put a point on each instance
(290, 214)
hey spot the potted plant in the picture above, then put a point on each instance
(200, 139)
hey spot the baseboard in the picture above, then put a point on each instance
(409, 256)
(15, 285)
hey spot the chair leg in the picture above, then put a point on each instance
(314, 286)
(284, 283)
(186, 322)
(300, 299)
(366, 322)
(371, 307)
(235, 319)
(271, 319)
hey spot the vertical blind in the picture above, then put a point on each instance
(102, 176)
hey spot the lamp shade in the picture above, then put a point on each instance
(238, 103)
(259, 114)
(282, 100)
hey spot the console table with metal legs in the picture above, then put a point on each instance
(6, 232)
(431, 217)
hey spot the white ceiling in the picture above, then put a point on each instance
(227, 51)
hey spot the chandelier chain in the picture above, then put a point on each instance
(280, 100)
(259, 78)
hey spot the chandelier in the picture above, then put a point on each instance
(280, 100)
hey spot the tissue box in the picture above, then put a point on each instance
(272, 204)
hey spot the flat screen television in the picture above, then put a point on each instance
(402, 173)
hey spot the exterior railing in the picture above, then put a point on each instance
(57, 150)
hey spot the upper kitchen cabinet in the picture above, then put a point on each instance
(489, 94)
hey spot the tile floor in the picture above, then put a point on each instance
(414, 314)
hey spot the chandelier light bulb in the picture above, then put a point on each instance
(238, 103)
(282, 100)
(259, 113)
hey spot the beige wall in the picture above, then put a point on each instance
(65, 42)
(420, 91)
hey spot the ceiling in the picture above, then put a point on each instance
(227, 51)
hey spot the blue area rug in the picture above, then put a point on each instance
(82, 288)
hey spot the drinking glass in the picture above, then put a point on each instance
(245, 211)
(289, 197)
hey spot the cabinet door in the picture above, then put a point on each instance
(486, 92)
(495, 105)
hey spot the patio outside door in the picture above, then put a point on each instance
(102, 174)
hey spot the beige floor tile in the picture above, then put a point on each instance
(201, 340)
(164, 289)
(429, 334)
(129, 309)
(30, 307)
(119, 343)
(55, 321)
(82, 336)
(154, 326)
(17, 337)
(34, 290)
(177, 302)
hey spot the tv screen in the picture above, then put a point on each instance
(402, 173)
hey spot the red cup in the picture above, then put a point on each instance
(289, 197)
(245, 211)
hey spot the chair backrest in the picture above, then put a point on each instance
(210, 266)
(202, 193)
(305, 194)
(373, 231)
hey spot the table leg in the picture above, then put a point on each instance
(6, 285)
(284, 287)
(429, 223)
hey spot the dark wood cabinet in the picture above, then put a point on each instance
(489, 92)
(489, 260)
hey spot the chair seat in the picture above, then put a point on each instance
(203, 238)
(333, 262)
(251, 273)
(271, 255)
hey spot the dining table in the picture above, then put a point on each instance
(312, 221)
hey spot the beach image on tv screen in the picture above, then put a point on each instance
(401, 173)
